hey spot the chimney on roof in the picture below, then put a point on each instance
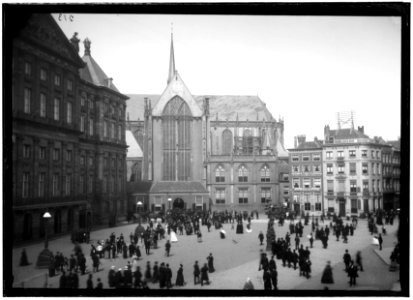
(86, 43)
(300, 139)
(109, 81)
(75, 42)
(360, 129)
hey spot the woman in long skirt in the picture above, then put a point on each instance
(180, 277)
(327, 277)
(210, 259)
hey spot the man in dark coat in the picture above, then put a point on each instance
(347, 260)
(137, 278)
(380, 238)
(112, 277)
(196, 272)
(155, 275)
(294, 259)
(127, 275)
(297, 241)
(167, 247)
(352, 273)
(274, 279)
(210, 259)
(267, 280)
(162, 276)
(204, 274)
(261, 237)
(62, 280)
(168, 277)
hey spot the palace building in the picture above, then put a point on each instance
(208, 152)
(68, 133)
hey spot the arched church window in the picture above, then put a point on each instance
(247, 142)
(243, 174)
(265, 174)
(226, 142)
(219, 174)
(176, 125)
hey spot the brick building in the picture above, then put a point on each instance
(306, 160)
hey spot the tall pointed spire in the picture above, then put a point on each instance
(171, 58)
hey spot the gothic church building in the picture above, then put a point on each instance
(208, 152)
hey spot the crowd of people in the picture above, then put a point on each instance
(290, 250)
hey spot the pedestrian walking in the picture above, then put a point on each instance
(327, 276)
(359, 261)
(267, 280)
(155, 275)
(168, 276)
(274, 278)
(261, 237)
(347, 260)
(311, 240)
(352, 273)
(167, 248)
(148, 274)
(380, 238)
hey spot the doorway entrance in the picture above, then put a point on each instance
(178, 204)
(342, 208)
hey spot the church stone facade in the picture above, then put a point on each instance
(208, 152)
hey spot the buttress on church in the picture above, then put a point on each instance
(205, 152)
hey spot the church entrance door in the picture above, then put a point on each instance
(178, 203)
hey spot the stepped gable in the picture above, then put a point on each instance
(43, 31)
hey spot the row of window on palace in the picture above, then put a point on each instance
(68, 156)
(63, 185)
(243, 173)
(109, 128)
(243, 195)
(57, 80)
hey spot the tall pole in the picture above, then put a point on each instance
(46, 238)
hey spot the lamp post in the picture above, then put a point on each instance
(44, 259)
(138, 208)
(169, 201)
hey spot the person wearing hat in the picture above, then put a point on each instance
(111, 277)
(155, 276)
(180, 276)
(327, 276)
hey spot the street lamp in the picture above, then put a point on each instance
(43, 261)
(169, 201)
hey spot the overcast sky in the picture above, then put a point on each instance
(306, 68)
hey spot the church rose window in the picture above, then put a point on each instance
(176, 126)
